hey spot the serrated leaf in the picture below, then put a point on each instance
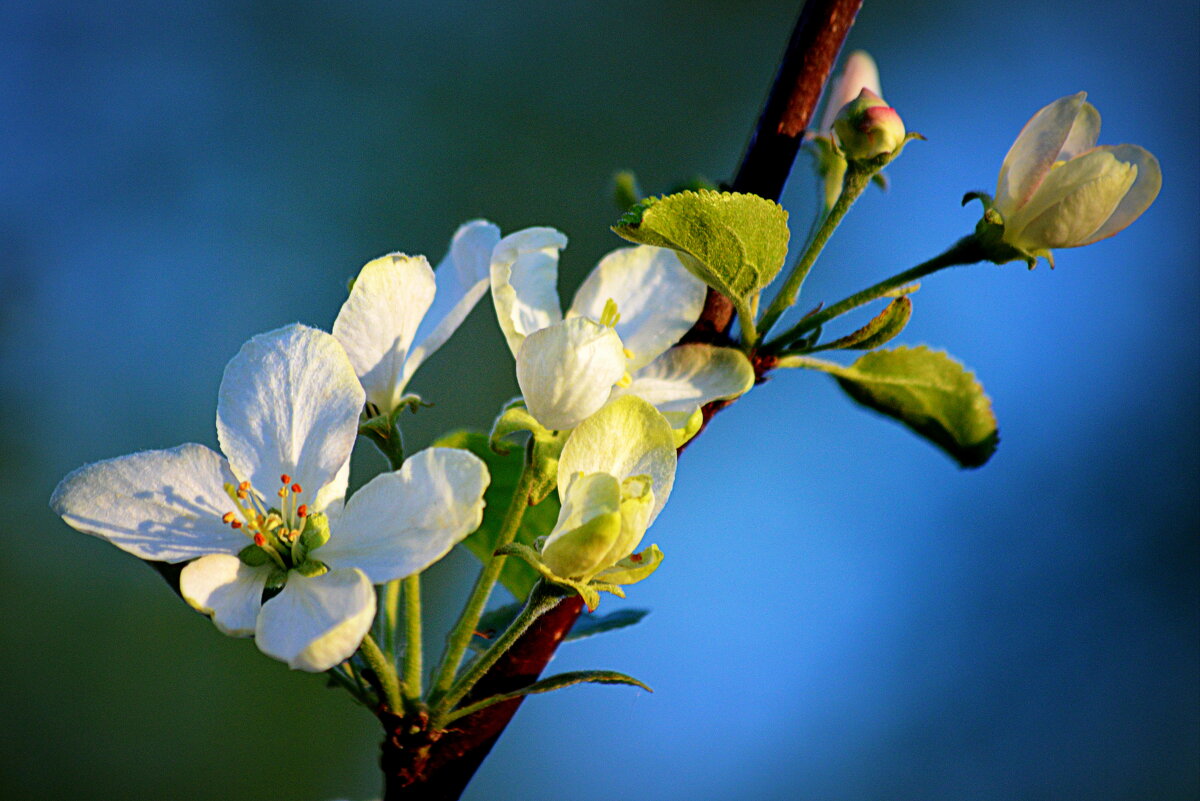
(505, 469)
(497, 620)
(929, 392)
(550, 684)
(734, 242)
(882, 329)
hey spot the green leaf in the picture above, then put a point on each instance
(883, 328)
(734, 242)
(496, 621)
(549, 685)
(929, 392)
(505, 469)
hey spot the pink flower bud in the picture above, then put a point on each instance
(867, 127)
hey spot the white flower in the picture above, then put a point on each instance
(636, 304)
(614, 477)
(287, 417)
(1058, 190)
(400, 310)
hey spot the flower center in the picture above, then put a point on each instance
(277, 530)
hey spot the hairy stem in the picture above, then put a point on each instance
(414, 667)
(460, 636)
(385, 671)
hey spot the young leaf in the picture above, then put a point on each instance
(929, 392)
(734, 242)
(494, 622)
(517, 576)
(548, 685)
(883, 328)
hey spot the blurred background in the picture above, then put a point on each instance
(843, 614)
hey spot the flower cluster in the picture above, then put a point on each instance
(271, 546)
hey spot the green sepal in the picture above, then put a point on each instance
(505, 469)
(830, 166)
(927, 391)
(277, 579)
(253, 556)
(532, 558)
(550, 684)
(734, 242)
(316, 532)
(626, 191)
(989, 236)
(633, 568)
(311, 567)
(882, 328)
(514, 419)
(499, 619)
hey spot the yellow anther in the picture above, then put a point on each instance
(227, 517)
(282, 492)
(628, 353)
(625, 381)
(610, 316)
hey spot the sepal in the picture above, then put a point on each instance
(633, 568)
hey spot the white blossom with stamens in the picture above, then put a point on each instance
(287, 418)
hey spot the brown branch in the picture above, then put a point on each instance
(420, 765)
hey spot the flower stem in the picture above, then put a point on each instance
(460, 636)
(385, 671)
(391, 613)
(413, 665)
(855, 182)
(542, 598)
(965, 251)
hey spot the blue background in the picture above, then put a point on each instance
(842, 614)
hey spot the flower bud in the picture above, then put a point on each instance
(867, 127)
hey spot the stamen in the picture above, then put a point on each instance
(297, 489)
(244, 486)
(625, 381)
(285, 479)
(635, 557)
(236, 524)
(259, 539)
(241, 494)
(282, 492)
(628, 353)
(227, 517)
(302, 511)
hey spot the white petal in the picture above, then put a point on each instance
(222, 586)
(377, 323)
(462, 278)
(567, 371)
(1039, 145)
(689, 376)
(656, 296)
(289, 404)
(524, 275)
(315, 623)
(160, 505)
(400, 523)
(859, 73)
(1140, 195)
(1073, 202)
(628, 437)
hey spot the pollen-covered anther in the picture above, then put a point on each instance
(285, 479)
(297, 489)
(227, 518)
(282, 492)
(302, 511)
(628, 353)
(259, 539)
(625, 381)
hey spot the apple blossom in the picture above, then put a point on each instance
(628, 313)
(1057, 189)
(400, 311)
(268, 516)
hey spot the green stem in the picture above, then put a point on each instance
(857, 179)
(966, 251)
(389, 682)
(391, 613)
(413, 665)
(460, 636)
(387, 439)
(542, 598)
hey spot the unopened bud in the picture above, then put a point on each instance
(867, 127)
